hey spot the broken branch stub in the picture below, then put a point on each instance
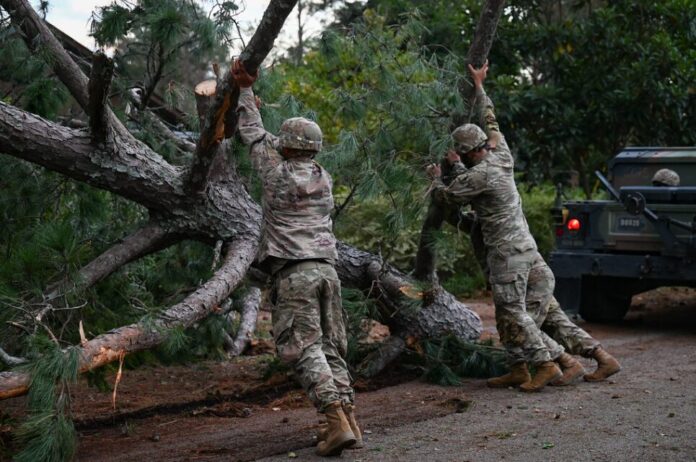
(205, 93)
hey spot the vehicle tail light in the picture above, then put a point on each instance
(574, 225)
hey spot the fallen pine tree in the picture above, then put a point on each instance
(204, 201)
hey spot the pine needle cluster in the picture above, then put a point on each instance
(447, 360)
(48, 434)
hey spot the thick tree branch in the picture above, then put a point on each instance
(227, 93)
(99, 82)
(11, 360)
(108, 347)
(480, 47)
(485, 32)
(247, 322)
(425, 265)
(129, 169)
(13, 384)
(436, 313)
(146, 240)
(39, 38)
(134, 171)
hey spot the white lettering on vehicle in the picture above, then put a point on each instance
(629, 222)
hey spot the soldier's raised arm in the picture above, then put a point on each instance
(485, 109)
(250, 125)
(462, 190)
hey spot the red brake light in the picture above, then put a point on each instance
(573, 224)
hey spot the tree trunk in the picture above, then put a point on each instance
(218, 208)
(426, 260)
(385, 354)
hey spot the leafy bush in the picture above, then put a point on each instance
(536, 203)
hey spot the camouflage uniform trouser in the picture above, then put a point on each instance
(515, 319)
(547, 313)
(309, 330)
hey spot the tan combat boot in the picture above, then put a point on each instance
(546, 372)
(338, 435)
(322, 431)
(607, 365)
(349, 410)
(518, 375)
(571, 367)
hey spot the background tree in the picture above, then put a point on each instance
(575, 81)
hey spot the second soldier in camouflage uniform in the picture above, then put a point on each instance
(540, 304)
(547, 313)
(489, 186)
(299, 249)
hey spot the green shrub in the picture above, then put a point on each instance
(536, 203)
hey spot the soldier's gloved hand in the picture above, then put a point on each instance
(241, 76)
(433, 171)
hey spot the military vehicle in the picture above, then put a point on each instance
(641, 238)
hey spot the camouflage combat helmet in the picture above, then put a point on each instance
(468, 137)
(665, 177)
(300, 133)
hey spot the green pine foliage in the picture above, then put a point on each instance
(448, 359)
(168, 45)
(31, 84)
(48, 434)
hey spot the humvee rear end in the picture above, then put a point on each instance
(643, 238)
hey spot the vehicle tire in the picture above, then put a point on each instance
(601, 302)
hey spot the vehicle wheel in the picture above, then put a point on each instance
(600, 301)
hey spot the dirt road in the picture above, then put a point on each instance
(228, 412)
(647, 412)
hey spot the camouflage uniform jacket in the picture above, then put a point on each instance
(297, 198)
(490, 188)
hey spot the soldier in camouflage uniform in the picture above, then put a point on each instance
(547, 313)
(489, 186)
(540, 304)
(299, 249)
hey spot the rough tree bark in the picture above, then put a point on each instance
(247, 322)
(221, 121)
(186, 203)
(425, 265)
